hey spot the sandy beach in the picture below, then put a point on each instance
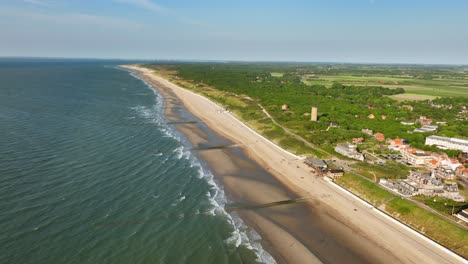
(331, 227)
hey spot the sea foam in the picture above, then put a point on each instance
(241, 234)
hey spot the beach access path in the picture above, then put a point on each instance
(379, 230)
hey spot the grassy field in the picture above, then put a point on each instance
(412, 97)
(413, 86)
(391, 170)
(442, 205)
(365, 189)
(430, 224)
(277, 74)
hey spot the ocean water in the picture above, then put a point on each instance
(91, 173)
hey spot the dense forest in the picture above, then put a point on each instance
(345, 106)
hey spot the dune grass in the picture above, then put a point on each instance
(430, 224)
(367, 190)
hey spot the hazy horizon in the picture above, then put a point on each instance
(231, 61)
(338, 31)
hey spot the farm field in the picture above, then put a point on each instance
(435, 87)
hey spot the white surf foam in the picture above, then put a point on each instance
(241, 235)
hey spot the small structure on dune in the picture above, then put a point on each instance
(285, 107)
(316, 164)
(334, 174)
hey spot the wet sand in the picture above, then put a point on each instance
(331, 227)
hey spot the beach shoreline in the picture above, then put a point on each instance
(342, 222)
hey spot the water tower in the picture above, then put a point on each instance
(313, 114)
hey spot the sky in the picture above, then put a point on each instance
(360, 31)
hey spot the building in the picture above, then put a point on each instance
(464, 173)
(422, 183)
(358, 140)
(285, 107)
(432, 164)
(396, 144)
(379, 136)
(463, 215)
(448, 143)
(427, 128)
(335, 173)
(451, 192)
(367, 131)
(445, 173)
(428, 183)
(317, 164)
(405, 123)
(408, 187)
(424, 121)
(313, 114)
(415, 157)
(349, 150)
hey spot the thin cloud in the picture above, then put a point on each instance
(39, 2)
(70, 19)
(145, 4)
(152, 6)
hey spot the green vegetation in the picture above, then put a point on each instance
(442, 205)
(277, 74)
(246, 109)
(430, 224)
(345, 105)
(390, 170)
(429, 80)
(364, 188)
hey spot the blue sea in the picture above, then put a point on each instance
(90, 172)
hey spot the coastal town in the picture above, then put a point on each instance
(431, 174)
